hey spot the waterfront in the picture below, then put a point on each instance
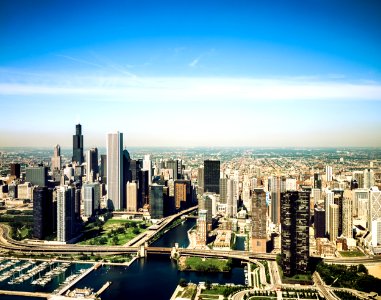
(153, 277)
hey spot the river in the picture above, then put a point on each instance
(154, 277)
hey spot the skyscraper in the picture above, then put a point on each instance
(258, 221)
(115, 187)
(374, 207)
(156, 201)
(91, 164)
(347, 225)
(147, 166)
(103, 168)
(37, 175)
(65, 213)
(333, 222)
(200, 180)
(182, 193)
(56, 159)
(328, 173)
(329, 195)
(173, 165)
(223, 190)
(78, 145)
(212, 176)
(275, 189)
(15, 170)
(132, 200)
(42, 212)
(91, 198)
(295, 215)
(319, 222)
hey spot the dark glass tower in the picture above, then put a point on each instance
(295, 215)
(42, 212)
(212, 176)
(78, 145)
(319, 222)
(15, 170)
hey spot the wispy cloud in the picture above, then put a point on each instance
(128, 88)
(194, 62)
(79, 60)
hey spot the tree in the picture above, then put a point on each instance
(362, 269)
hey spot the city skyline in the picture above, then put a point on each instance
(191, 74)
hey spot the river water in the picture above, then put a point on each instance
(154, 277)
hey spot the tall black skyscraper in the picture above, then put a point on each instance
(42, 212)
(78, 145)
(294, 217)
(212, 176)
(15, 170)
(319, 222)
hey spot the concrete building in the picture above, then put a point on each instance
(259, 221)
(65, 213)
(347, 214)
(115, 187)
(132, 196)
(334, 222)
(91, 198)
(202, 227)
(37, 175)
(374, 207)
(56, 159)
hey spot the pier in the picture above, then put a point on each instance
(25, 294)
(77, 279)
(103, 288)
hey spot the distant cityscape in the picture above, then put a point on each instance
(297, 206)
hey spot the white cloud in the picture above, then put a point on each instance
(129, 88)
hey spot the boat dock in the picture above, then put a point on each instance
(77, 278)
(25, 294)
(103, 288)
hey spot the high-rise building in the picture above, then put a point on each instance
(156, 201)
(91, 198)
(66, 222)
(56, 159)
(368, 178)
(200, 180)
(223, 190)
(42, 212)
(338, 196)
(329, 195)
(202, 227)
(37, 175)
(182, 193)
(347, 226)
(334, 222)
(295, 215)
(15, 170)
(290, 184)
(376, 233)
(132, 196)
(328, 173)
(103, 168)
(360, 203)
(147, 166)
(359, 177)
(173, 165)
(275, 189)
(317, 181)
(319, 222)
(78, 145)
(212, 176)
(135, 168)
(230, 198)
(91, 164)
(115, 186)
(374, 207)
(143, 188)
(258, 224)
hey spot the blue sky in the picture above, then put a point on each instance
(190, 73)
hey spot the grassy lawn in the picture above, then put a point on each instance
(205, 264)
(115, 232)
(354, 253)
